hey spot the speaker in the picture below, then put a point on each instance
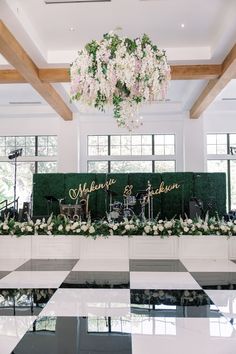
(195, 208)
(25, 211)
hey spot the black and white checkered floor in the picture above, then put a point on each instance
(117, 306)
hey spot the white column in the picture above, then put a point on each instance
(194, 145)
(68, 146)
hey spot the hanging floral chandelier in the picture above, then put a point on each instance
(122, 73)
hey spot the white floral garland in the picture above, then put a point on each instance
(61, 225)
(122, 73)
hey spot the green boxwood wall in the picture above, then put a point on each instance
(209, 187)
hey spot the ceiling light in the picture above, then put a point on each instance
(49, 2)
(25, 102)
(182, 25)
(71, 29)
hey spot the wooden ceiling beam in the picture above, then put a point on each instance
(13, 52)
(178, 72)
(214, 87)
(196, 72)
(11, 77)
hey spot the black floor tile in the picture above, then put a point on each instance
(23, 302)
(153, 265)
(76, 335)
(172, 303)
(216, 280)
(48, 265)
(3, 274)
(83, 279)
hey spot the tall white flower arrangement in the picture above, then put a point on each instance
(122, 73)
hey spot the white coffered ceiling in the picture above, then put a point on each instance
(192, 31)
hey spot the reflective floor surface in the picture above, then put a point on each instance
(117, 307)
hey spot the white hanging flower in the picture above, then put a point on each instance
(122, 73)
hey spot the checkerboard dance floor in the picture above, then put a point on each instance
(117, 306)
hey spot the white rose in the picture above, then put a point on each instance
(147, 229)
(60, 228)
(67, 228)
(189, 221)
(114, 227)
(84, 228)
(5, 227)
(168, 225)
(127, 227)
(91, 230)
(74, 225)
(186, 229)
(161, 228)
(154, 227)
(29, 229)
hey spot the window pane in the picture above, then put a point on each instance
(169, 150)
(164, 166)
(136, 150)
(47, 167)
(221, 149)
(217, 144)
(147, 139)
(211, 149)
(164, 144)
(136, 140)
(98, 145)
(159, 139)
(103, 140)
(115, 150)
(30, 140)
(232, 139)
(24, 178)
(92, 140)
(42, 151)
(146, 150)
(125, 140)
(98, 166)
(131, 166)
(221, 139)
(211, 139)
(169, 139)
(233, 183)
(115, 140)
(42, 140)
(159, 150)
(10, 141)
(125, 150)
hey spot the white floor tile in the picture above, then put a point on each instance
(84, 302)
(225, 300)
(12, 330)
(11, 263)
(162, 280)
(184, 335)
(33, 279)
(102, 265)
(209, 265)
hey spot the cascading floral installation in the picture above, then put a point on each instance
(122, 73)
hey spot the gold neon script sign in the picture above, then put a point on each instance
(159, 190)
(164, 189)
(93, 187)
